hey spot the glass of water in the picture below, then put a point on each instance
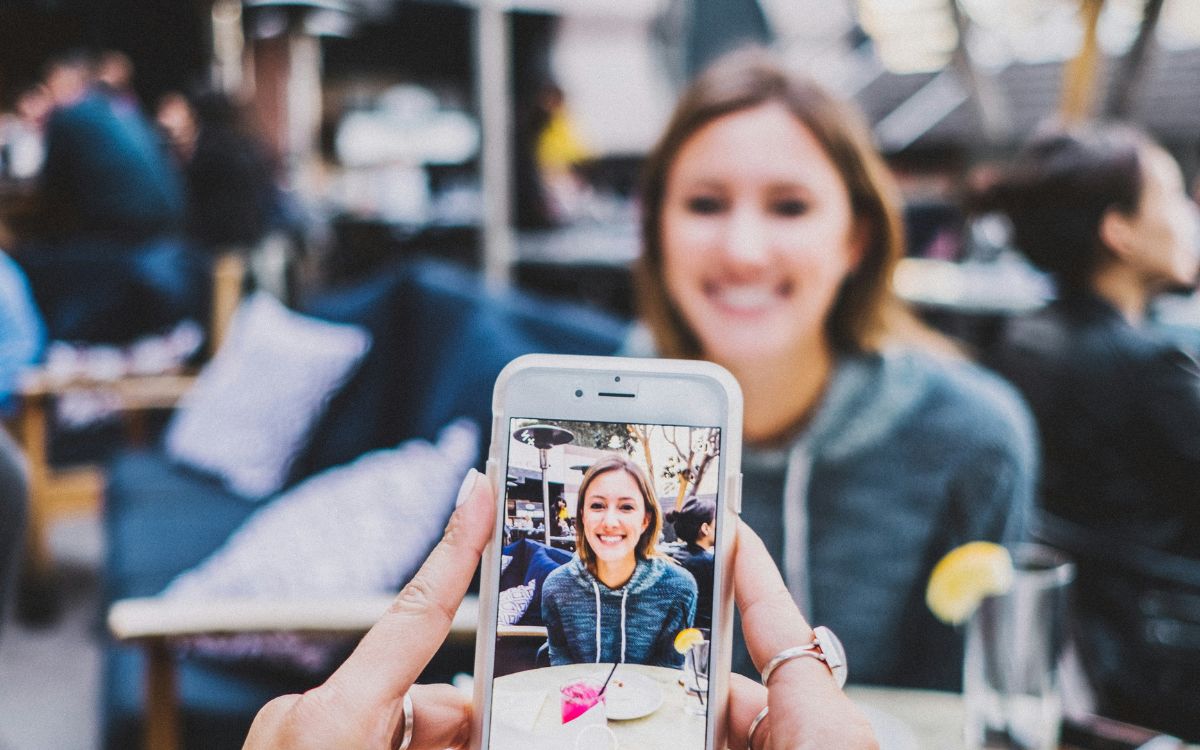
(695, 677)
(1015, 645)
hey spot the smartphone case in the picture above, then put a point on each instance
(593, 373)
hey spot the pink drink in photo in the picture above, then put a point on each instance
(578, 697)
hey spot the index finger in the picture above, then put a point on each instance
(771, 621)
(393, 652)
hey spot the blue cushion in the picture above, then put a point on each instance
(161, 519)
(532, 561)
(440, 339)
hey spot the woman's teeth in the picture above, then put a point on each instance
(746, 297)
(611, 539)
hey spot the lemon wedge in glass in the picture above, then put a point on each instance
(687, 638)
(967, 574)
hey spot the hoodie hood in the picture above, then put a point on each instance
(868, 395)
(646, 575)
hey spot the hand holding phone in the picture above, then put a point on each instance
(360, 705)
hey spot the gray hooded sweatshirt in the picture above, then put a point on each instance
(587, 621)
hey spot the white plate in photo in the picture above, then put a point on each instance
(631, 696)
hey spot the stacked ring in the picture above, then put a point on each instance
(754, 726)
(406, 737)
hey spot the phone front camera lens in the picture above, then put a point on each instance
(617, 379)
(578, 394)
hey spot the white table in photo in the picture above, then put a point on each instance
(535, 693)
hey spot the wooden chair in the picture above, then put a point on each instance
(58, 492)
(155, 623)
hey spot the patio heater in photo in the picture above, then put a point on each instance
(544, 437)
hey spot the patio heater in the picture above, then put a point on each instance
(544, 437)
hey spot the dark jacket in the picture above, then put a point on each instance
(107, 175)
(699, 562)
(1119, 414)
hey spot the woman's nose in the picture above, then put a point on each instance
(746, 240)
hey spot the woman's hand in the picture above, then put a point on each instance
(808, 709)
(361, 704)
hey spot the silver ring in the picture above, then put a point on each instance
(406, 738)
(754, 726)
(787, 655)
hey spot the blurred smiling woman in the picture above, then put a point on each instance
(771, 228)
(618, 599)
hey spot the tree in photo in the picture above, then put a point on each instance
(695, 448)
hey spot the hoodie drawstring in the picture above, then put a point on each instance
(596, 588)
(624, 596)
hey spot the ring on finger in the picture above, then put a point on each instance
(406, 737)
(754, 726)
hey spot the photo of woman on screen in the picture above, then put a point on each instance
(618, 599)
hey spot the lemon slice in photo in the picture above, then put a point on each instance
(962, 579)
(687, 638)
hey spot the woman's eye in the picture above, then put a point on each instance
(789, 207)
(596, 506)
(628, 508)
(704, 204)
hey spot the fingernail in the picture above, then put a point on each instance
(467, 486)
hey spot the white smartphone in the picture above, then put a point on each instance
(606, 606)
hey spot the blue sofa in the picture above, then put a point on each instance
(439, 340)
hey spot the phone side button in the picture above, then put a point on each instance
(497, 429)
(733, 491)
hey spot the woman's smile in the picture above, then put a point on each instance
(734, 298)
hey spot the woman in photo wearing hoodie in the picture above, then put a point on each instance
(770, 229)
(618, 599)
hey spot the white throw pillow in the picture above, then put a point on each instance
(254, 404)
(514, 602)
(358, 529)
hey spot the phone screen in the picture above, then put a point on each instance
(605, 607)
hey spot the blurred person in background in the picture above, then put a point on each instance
(695, 525)
(771, 227)
(1105, 210)
(104, 255)
(114, 77)
(21, 340)
(105, 176)
(21, 132)
(229, 181)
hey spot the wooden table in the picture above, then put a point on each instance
(536, 693)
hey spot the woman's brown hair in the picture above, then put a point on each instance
(646, 545)
(866, 312)
(1058, 190)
